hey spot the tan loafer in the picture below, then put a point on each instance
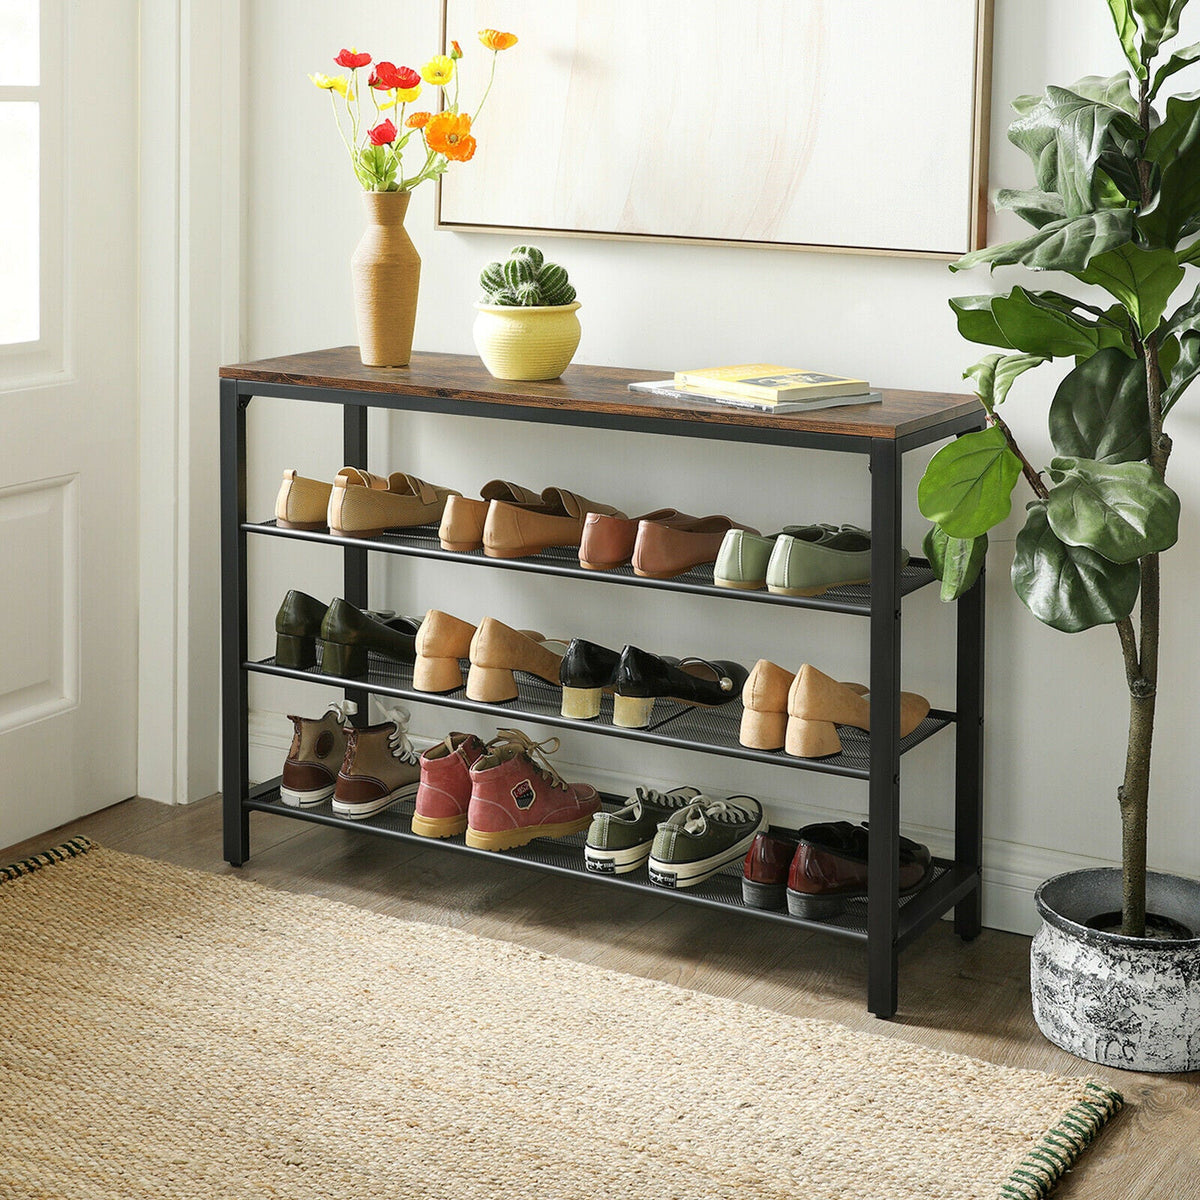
(497, 651)
(608, 541)
(462, 522)
(664, 551)
(303, 503)
(515, 530)
(359, 508)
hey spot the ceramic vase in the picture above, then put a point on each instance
(534, 342)
(386, 270)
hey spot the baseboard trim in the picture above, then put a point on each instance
(1011, 872)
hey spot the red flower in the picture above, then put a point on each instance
(384, 134)
(387, 76)
(348, 58)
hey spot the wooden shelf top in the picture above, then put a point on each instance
(594, 390)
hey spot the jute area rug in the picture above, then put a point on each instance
(167, 1033)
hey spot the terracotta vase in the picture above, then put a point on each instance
(386, 269)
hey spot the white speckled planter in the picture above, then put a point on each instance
(1120, 1001)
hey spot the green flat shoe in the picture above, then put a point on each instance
(799, 567)
(743, 557)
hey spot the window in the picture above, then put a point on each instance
(30, 182)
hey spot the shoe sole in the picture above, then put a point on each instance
(356, 812)
(616, 862)
(816, 590)
(439, 827)
(763, 895)
(304, 799)
(510, 839)
(823, 908)
(740, 585)
(591, 566)
(681, 875)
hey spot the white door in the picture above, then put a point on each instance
(68, 394)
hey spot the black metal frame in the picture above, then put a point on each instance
(890, 923)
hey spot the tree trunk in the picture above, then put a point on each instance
(1134, 796)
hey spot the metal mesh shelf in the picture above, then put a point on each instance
(423, 542)
(713, 730)
(564, 856)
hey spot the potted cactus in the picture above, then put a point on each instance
(526, 327)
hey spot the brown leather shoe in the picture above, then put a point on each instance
(608, 541)
(830, 869)
(317, 749)
(462, 522)
(358, 507)
(381, 768)
(664, 551)
(515, 530)
(818, 704)
(497, 651)
(765, 870)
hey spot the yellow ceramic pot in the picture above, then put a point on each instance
(516, 342)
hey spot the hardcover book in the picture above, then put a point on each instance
(670, 390)
(768, 381)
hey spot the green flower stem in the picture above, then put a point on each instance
(486, 90)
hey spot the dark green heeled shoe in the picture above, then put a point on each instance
(298, 625)
(347, 634)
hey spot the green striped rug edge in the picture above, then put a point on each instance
(56, 854)
(1061, 1146)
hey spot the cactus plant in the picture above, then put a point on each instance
(526, 280)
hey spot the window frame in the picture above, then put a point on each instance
(42, 362)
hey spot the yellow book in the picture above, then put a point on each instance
(769, 382)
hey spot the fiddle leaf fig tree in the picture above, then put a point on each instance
(1116, 205)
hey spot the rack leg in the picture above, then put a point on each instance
(968, 757)
(235, 763)
(883, 882)
(354, 454)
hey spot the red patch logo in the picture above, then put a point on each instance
(523, 794)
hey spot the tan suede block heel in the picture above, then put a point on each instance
(811, 739)
(437, 675)
(763, 730)
(491, 685)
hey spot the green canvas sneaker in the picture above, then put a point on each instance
(619, 842)
(699, 840)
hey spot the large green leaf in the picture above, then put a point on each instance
(1112, 90)
(1175, 147)
(1100, 410)
(1060, 246)
(1186, 318)
(1120, 510)
(1069, 588)
(1142, 280)
(1035, 207)
(976, 322)
(1159, 20)
(1050, 325)
(957, 562)
(1127, 30)
(1177, 62)
(967, 487)
(1080, 130)
(995, 374)
(1190, 256)
(1183, 373)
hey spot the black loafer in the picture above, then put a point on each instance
(642, 678)
(586, 670)
(347, 633)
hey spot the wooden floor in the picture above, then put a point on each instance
(969, 999)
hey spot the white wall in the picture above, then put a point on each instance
(1056, 713)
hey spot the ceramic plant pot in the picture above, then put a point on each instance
(535, 342)
(1121, 1001)
(386, 269)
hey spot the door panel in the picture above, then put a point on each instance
(68, 467)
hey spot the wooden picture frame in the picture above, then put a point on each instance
(485, 196)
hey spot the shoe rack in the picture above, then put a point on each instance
(599, 397)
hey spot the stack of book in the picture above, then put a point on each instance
(764, 386)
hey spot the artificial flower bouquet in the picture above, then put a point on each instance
(376, 146)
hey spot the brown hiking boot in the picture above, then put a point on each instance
(381, 768)
(317, 750)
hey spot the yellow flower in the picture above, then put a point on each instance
(401, 96)
(494, 39)
(439, 70)
(334, 83)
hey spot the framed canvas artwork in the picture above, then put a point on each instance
(847, 125)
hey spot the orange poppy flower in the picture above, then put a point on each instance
(450, 134)
(493, 39)
(418, 120)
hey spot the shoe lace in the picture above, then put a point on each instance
(343, 710)
(704, 809)
(398, 740)
(514, 739)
